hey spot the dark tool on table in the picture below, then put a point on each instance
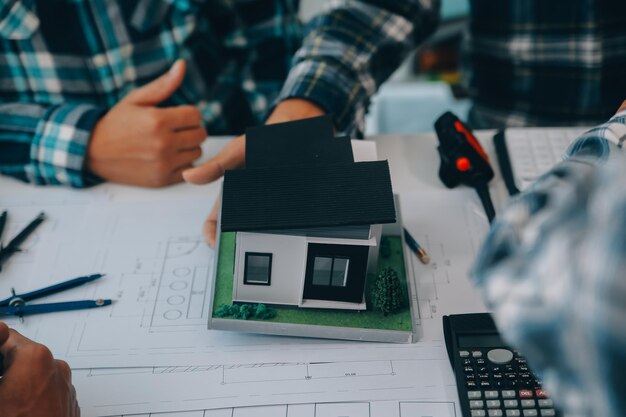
(463, 160)
(14, 245)
(16, 305)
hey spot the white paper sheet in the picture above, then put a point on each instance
(106, 392)
(348, 409)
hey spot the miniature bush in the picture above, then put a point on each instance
(262, 312)
(223, 311)
(245, 311)
(387, 291)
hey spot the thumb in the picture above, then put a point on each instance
(4, 334)
(160, 89)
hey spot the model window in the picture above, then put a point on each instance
(258, 268)
(330, 272)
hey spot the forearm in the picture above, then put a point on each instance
(46, 145)
(353, 47)
(550, 263)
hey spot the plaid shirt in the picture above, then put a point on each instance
(63, 63)
(553, 270)
(545, 63)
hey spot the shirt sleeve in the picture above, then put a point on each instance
(46, 145)
(351, 48)
(552, 272)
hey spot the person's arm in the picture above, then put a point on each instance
(46, 144)
(34, 384)
(552, 271)
(351, 48)
(135, 142)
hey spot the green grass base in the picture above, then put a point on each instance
(400, 320)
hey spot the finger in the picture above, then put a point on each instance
(186, 158)
(190, 139)
(210, 225)
(4, 333)
(182, 117)
(177, 176)
(160, 89)
(64, 370)
(623, 106)
(232, 156)
(14, 341)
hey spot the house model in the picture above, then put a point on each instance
(304, 222)
(308, 218)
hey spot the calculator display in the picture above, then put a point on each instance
(483, 341)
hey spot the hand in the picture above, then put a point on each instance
(623, 106)
(138, 143)
(234, 154)
(34, 384)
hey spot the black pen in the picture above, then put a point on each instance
(416, 247)
(14, 245)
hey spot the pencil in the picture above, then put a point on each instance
(416, 247)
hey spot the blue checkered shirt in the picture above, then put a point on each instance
(545, 63)
(553, 271)
(64, 63)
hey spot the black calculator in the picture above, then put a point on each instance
(492, 379)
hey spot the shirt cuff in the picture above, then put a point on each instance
(599, 143)
(59, 147)
(329, 87)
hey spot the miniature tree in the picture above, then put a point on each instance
(387, 292)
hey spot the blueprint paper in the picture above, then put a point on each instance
(106, 392)
(352, 409)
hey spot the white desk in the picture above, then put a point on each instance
(414, 165)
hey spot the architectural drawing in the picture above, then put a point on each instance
(128, 391)
(344, 409)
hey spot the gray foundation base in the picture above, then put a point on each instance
(324, 332)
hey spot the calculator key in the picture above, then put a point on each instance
(464, 354)
(493, 404)
(530, 412)
(508, 394)
(513, 413)
(540, 393)
(548, 412)
(468, 370)
(525, 393)
(495, 413)
(477, 354)
(485, 384)
(491, 394)
(500, 356)
(483, 376)
(467, 362)
(510, 403)
(478, 413)
(528, 403)
(545, 403)
(470, 377)
(476, 404)
(483, 369)
(470, 384)
(472, 395)
(480, 362)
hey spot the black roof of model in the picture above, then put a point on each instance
(313, 184)
(303, 142)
